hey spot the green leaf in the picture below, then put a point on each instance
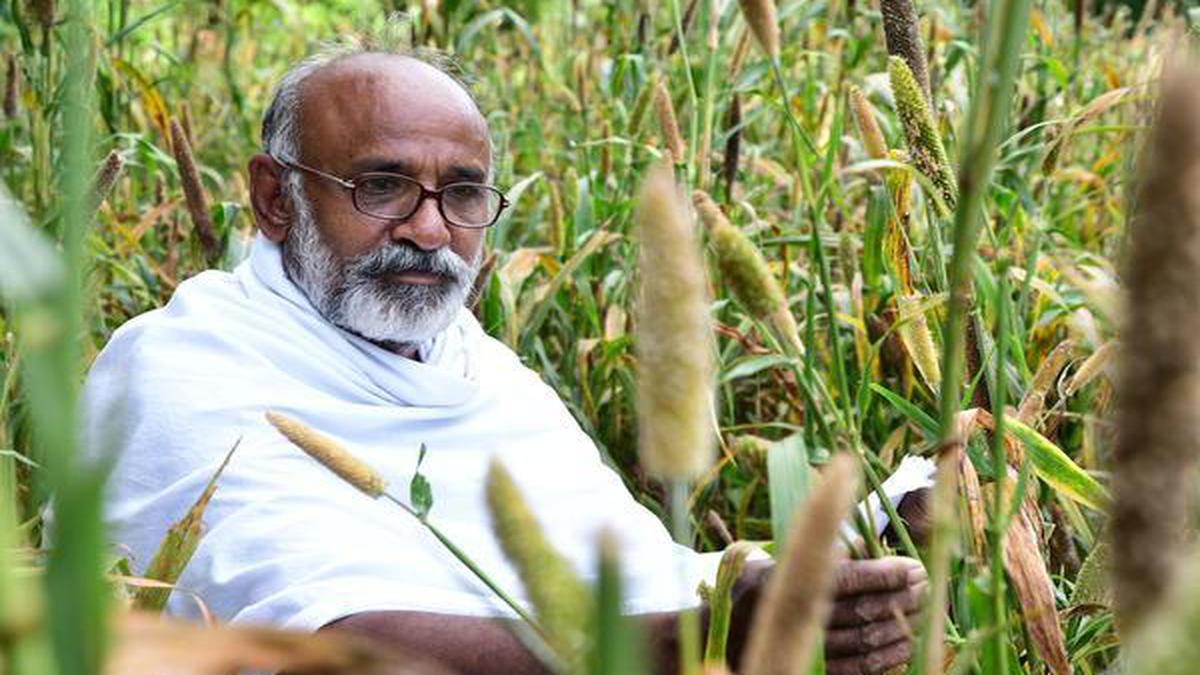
(751, 365)
(878, 208)
(500, 229)
(1057, 469)
(178, 545)
(720, 602)
(420, 494)
(618, 645)
(914, 414)
(789, 479)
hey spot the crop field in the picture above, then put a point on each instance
(968, 231)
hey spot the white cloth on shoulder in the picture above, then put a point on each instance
(288, 543)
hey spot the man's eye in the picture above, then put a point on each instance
(467, 195)
(383, 185)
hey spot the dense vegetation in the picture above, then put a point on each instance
(821, 156)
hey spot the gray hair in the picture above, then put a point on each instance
(280, 123)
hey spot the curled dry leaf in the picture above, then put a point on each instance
(1043, 380)
(968, 481)
(177, 547)
(1035, 592)
(1094, 365)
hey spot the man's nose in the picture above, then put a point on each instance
(425, 228)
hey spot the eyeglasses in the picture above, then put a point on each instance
(394, 196)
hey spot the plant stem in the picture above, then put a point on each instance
(999, 521)
(800, 143)
(693, 117)
(470, 564)
(689, 619)
(985, 120)
(704, 151)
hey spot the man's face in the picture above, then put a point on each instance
(389, 281)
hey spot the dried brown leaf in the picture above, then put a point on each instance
(1031, 583)
(1043, 380)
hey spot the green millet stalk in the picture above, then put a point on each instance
(358, 474)
(795, 604)
(674, 335)
(329, 453)
(745, 270)
(559, 597)
(902, 32)
(1158, 435)
(920, 134)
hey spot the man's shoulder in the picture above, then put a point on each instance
(194, 317)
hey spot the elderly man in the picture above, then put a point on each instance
(371, 199)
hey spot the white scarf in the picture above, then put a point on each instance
(287, 542)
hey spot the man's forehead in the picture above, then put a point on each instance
(381, 70)
(370, 93)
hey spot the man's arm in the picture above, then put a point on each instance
(868, 632)
(466, 644)
(483, 646)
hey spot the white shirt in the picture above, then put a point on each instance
(288, 543)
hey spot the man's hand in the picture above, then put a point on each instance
(874, 607)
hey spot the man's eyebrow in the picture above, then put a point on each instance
(457, 173)
(452, 174)
(381, 164)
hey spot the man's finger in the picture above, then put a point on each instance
(858, 609)
(854, 577)
(867, 637)
(873, 663)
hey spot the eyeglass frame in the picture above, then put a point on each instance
(349, 184)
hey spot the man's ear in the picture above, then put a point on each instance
(273, 211)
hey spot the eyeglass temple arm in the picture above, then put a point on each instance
(297, 165)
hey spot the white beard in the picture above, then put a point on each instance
(355, 294)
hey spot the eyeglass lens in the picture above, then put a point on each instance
(394, 196)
